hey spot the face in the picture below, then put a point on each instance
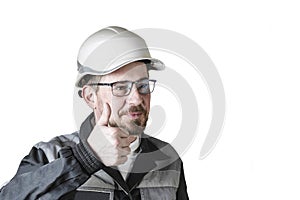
(130, 113)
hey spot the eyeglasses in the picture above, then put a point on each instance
(123, 88)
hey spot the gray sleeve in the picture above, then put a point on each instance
(37, 178)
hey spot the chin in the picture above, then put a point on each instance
(134, 129)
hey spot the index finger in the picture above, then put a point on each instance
(105, 115)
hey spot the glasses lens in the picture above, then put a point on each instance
(121, 88)
(145, 86)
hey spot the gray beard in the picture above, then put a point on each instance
(136, 127)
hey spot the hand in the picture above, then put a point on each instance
(110, 144)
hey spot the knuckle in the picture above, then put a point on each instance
(116, 159)
(120, 152)
(114, 152)
(116, 143)
(127, 150)
(122, 160)
(125, 158)
(114, 133)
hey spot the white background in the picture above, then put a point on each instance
(255, 46)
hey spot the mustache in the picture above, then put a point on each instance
(134, 109)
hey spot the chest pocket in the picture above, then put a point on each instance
(160, 185)
(164, 193)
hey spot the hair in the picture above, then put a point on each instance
(88, 79)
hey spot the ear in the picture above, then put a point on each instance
(90, 96)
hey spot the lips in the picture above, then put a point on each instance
(135, 115)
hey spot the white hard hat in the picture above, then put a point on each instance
(110, 49)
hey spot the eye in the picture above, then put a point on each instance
(121, 87)
(143, 86)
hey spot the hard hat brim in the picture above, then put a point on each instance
(154, 64)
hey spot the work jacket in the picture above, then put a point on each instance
(65, 168)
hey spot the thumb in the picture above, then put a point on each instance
(105, 115)
(131, 138)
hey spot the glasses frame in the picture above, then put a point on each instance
(132, 82)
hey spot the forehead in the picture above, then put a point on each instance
(132, 72)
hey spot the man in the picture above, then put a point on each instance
(110, 157)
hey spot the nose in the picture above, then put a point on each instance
(135, 98)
